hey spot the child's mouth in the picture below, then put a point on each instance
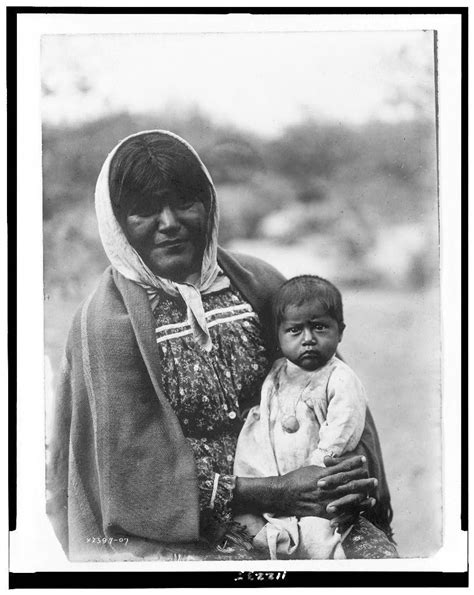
(309, 355)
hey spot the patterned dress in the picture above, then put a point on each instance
(210, 392)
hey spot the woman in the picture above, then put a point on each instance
(163, 360)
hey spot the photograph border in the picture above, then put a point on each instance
(147, 579)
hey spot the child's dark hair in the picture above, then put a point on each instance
(307, 288)
(146, 164)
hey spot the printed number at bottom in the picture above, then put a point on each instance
(105, 540)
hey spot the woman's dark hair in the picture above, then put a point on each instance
(146, 164)
(307, 288)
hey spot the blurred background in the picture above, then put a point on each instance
(322, 147)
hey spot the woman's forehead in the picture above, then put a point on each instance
(166, 193)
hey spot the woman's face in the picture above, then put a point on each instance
(169, 233)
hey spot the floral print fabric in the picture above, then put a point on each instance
(211, 391)
(367, 541)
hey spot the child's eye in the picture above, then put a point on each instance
(294, 330)
(319, 327)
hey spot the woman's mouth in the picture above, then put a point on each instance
(176, 243)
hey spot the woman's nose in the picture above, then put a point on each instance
(167, 219)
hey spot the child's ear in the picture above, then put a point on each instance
(342, 326)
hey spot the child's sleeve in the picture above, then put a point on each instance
(345, 418)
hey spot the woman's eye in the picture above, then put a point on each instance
(143, 211)
(186, 202)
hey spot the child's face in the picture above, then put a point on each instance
(308, 336)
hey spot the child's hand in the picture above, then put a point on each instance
(332, 461)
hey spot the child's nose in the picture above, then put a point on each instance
(308, 336)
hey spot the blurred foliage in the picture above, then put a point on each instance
(339, 181)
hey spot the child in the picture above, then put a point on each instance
(312, 406)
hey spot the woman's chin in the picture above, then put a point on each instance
(178, 268)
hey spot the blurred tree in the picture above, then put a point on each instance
(312, 148)
(412, 83)
(360, 178)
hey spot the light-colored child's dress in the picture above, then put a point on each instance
(328, 409)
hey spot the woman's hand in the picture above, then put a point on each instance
(342, 488)
(344, 510)
(314, 491)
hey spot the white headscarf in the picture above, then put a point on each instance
(129, 263)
